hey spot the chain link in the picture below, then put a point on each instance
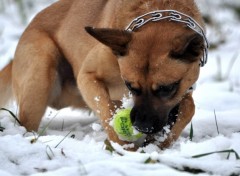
(171, 15)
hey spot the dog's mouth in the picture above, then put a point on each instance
(160, 136)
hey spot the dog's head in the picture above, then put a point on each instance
(158, 63)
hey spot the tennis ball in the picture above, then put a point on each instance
(122, 125)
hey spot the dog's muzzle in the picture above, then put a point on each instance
(149, 121)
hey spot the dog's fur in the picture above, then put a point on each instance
(57, 63)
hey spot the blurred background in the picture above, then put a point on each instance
(15, 15)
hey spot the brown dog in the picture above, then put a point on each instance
(57, 63)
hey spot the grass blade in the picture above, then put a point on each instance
(49, 152)
(191, 133)
(236, 155)
(150, 161)
(223, 151)
(228, 156)
(12, 114)
(45, 128)
(63, 139)
(216, 121)
(108, 146)
(62, 124)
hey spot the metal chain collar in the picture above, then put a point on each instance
(171, 15)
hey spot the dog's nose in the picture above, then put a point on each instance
(147, 121)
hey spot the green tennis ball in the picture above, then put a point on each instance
(122, 125)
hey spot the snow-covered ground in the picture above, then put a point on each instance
(73, 143)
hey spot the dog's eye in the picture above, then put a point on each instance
(134, 91)
(164, 91)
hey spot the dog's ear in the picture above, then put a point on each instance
(117, 40)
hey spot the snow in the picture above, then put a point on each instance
(73, 142)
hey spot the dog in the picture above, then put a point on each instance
(90, 53)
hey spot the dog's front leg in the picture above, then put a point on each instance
(185, 114)
(95, 94)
